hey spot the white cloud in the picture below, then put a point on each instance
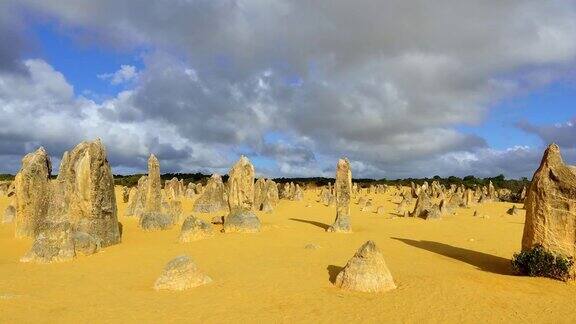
(125, 74)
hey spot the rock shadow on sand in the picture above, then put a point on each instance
(321, 225)
(333, 271)
(483, 261)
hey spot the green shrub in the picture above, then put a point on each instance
(539, 262)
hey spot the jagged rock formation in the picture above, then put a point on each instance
(551, 206)
(425, 209)
(402, 207)
(366, 271)
(181, 273)
(82, 215)
(32, 193)
(298, 193)
(213, 198)
(137, 198)
(343, 188)
(241, 199)
(194, 229)
(174, 188)
(266, 195)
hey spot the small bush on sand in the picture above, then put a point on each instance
(539, 262)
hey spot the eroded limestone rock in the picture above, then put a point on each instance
(181, 273)
(343, 189)
(241, 199)
(366, 271)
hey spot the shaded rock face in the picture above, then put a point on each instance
(366, 271)
(241, 199)
(58, 242)
(551, 206)
(9, 214)
(422, 204)
(425, 209)
(194, 229)
(469, 199)
(84, 193)
(32, 192)
(125, 194)
(181, 273)
(343, 188)
(456, 201)
(259, 193)
(155, 221)
(213, 198)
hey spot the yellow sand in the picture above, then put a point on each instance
(453, 270)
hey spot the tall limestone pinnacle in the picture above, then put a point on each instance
(153, 202)
(89, 191)
(32, 191)
(551, 206)
(241, 199)
(154, 217)
(343, 189)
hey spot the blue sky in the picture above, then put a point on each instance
(82, 63)
(555, 103)
(199, 83)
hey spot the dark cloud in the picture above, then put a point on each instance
(563, 134)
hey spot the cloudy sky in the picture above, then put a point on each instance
(401, 87)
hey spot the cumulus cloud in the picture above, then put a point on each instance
(382, 82)
(125, 74)
(43, 111)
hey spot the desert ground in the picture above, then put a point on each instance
(452, 270)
